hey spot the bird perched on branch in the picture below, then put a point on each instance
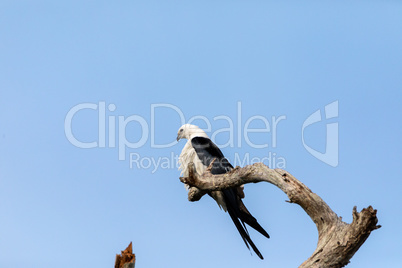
(201, 151)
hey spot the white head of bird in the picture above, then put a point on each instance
(188, 131)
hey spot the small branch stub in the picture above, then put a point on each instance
(126, 259)
(337, 240)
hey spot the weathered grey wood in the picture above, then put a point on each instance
(337, 241)
(129, 265)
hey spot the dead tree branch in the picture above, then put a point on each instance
(337, 241)
(126, 259)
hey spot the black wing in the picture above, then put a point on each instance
(207, 151)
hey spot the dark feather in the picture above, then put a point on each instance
(207, 151)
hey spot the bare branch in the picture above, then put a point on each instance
(126, 259)
(337, 240)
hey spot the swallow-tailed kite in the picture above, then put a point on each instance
(200, 150)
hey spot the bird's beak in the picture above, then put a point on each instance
(178, 137)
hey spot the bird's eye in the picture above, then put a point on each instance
(181, 130)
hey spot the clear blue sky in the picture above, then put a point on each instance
(79, 207)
